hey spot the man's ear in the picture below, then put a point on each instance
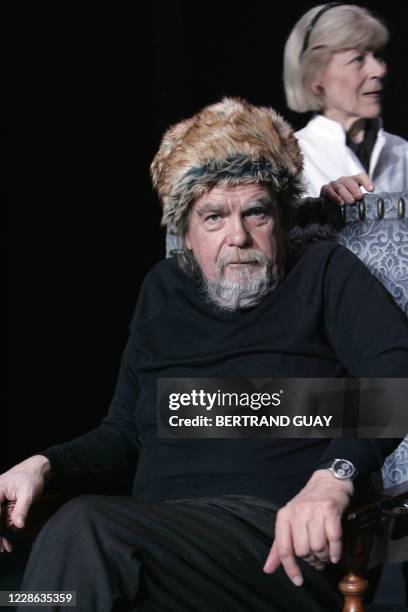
(188, 243)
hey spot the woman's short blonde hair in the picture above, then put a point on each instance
(346, 26)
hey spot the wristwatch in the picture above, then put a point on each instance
(340, 468)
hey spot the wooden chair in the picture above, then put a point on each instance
(379, 515)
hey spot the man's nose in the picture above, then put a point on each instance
(238, 234)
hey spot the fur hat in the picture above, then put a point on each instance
(231, 142)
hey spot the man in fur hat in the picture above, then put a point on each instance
(220, 524)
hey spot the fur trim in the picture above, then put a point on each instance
(232, 142)
(313, 232)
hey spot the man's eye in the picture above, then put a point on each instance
(213, 218)
(255, 212)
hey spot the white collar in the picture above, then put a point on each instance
(330, 129)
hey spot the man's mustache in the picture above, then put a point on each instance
(242, 256)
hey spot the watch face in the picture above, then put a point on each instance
(343, 468)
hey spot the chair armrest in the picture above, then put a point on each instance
(359, 525)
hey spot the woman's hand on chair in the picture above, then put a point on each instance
(347, 189)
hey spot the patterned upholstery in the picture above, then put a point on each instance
(382, 244)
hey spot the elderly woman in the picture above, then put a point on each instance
(333, 66)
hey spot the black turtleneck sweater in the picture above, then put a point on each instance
(328, 317)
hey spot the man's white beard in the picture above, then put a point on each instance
(253, 281)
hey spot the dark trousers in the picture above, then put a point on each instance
(197, 555)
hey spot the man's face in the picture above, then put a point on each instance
(233, 231)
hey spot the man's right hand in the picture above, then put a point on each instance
(22, 484)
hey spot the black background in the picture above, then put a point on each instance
(105, 81)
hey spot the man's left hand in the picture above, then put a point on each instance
(309, 526)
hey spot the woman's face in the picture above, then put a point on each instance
(352, 85)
